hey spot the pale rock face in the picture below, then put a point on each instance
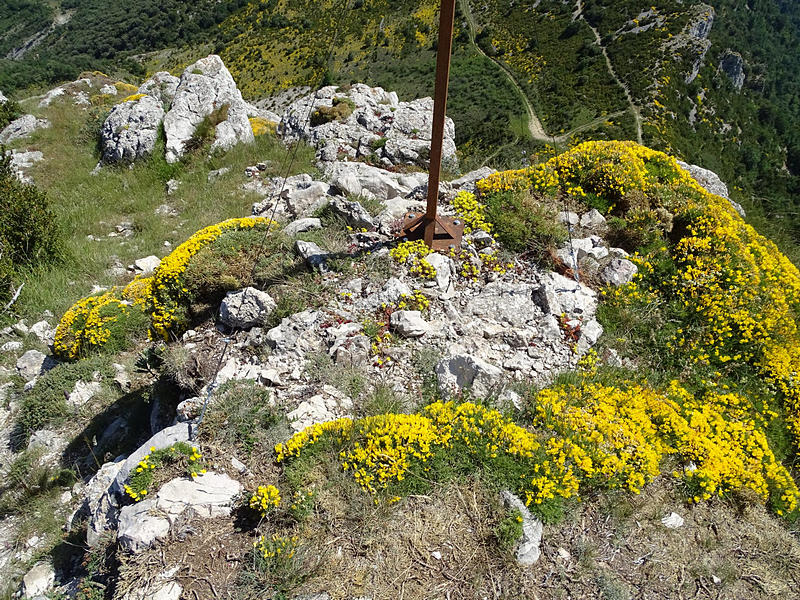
(246, 308)
(161, 86)
(38, 580)
(33, 363)
(409, 323)
(356, 178)
(206, 496)
(529, 545)
(329, 405)
(131, 129)
(444, 267)
(204, 87)
(302, 225)
(396, 132)
(618, 272)
(22, 128)
(711, 183)
(352, 213)
(463, 371)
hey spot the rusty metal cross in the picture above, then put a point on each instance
(438, 232)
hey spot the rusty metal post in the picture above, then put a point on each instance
(437, 232)
(446, 21)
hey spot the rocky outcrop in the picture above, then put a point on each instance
(205, 88)
(131, 129)
(21, 128)
(710, 182)
(365, 122)
(732, 64)
(692, 44)
(161, 86)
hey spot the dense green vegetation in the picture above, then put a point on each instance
(549, 52)
(99, 35)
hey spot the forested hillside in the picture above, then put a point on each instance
(715, 83)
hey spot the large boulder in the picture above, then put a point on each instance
(131, 129)
(22, 128)
(206, 88)
(363, 121)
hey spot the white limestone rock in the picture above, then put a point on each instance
(21, 128)
(246, 308)
(131, 129)
(206, 86)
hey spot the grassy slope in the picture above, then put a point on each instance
(94, 205)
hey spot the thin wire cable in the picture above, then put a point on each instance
(575, 273)
(293, 154)
(305, 121)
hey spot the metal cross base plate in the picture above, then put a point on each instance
(447, 234)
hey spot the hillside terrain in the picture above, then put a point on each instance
(224, 375)
(714, 83)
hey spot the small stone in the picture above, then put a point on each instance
(593, 220)
(38, 580)
(409, 323)
(672, 521)
(238, 465)
(147, 265)
(528, 548)
(66, 497)
(443, 265)
(716, 580)
(313, 255)
(165, 210)
(618, 272)
(212, 175)
(568, 218)
(246, 308)
(352, 213)
(564, 554)
(481, 239)
(33, 363)
(436, 554)
(11, 347)
(302, 225)
(83, 392)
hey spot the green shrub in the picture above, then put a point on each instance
(522, 222)
(9, 111)
(241, 416)
(29, 232)
(45, 404)
(339, 111)
(205, 131)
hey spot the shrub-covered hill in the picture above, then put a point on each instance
(712, 82)
(311, 406)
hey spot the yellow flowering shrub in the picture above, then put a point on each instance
(125, 88)
(735, 295)
(261, 126)
(412, 254)
(134, 97)
(168, 294)
(582, 437)
(143, 477)
(266, 498)
(620, 435)
(471, 212)
(90, 323)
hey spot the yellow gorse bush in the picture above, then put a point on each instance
(261, 126)
(168, 293)
(87, 324)
(471, 212)
(740, 292)
(265, 499)
(412, 254)
(587, 436)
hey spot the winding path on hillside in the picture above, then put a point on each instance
(534, 124)
(637, 116)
